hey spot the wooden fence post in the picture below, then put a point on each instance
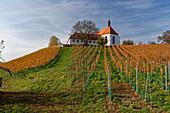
(83, 79)
(126, 70)
(136, 79)
(76, 70)
(166, 78)
(169, 68)
(109, 84)
(147, 85)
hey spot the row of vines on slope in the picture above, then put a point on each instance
(140, 64)
(83, 62)
(145, 67)
(33, 60)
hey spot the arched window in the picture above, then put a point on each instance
(93, 41)
(106, 39)
(90, 41)
(73, 40)
(113, 39)
(77, 40)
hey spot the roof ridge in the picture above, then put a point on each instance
(105, 30)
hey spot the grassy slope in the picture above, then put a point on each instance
(50, 90)
(35, 85)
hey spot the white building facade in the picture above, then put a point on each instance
(112, 39)
(108, 33)
(79, 41)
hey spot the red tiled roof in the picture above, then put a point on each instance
(84, 36)
(107, 30)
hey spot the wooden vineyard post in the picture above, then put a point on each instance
(169, 68)
(83, 79)
(136, 79)
(156, 65)
(109, 84)
(87, 72)
(130, 63)
(166, 78)
(76, 70)
(126, 71)
(122, 66)
(147, 85)
(83, 66)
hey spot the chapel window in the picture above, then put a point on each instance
(113, 39)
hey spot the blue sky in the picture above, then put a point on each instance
(27, 25)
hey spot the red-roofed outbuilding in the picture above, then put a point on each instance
(108, 33)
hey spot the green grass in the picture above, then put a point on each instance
(50, 79)
(50, 89)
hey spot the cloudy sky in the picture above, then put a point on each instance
(27, 25)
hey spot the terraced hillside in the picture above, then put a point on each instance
(90, 79)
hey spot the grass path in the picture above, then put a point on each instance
(31, 92)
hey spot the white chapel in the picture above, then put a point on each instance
(107, 33)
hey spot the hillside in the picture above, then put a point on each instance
(33, 60)
(90, 79)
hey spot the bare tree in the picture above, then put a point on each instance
(1, 48)
(85, 28)
(165, 38)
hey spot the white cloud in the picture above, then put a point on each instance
(29, 29)
(16, 46)
(135, 4)
(45, 2)
(27, 26)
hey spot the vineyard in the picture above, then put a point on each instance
(32, 60)
(89, 79)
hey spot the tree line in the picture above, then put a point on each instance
(86, 28)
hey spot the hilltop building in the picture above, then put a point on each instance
(108, 33)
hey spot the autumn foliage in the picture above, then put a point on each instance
(165, 38)
(35, 59)
(154, 52)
